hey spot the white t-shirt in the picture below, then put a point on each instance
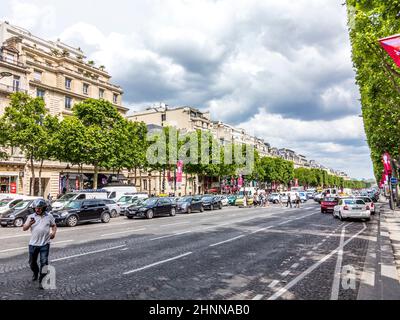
(41, 229)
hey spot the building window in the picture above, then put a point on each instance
(145, 184)
(68, 102)
(163, 117)
(115, 98)
(68, 83)
(101, 93)
(37, 75)
(40, 93)
(85, 88)
(16, 83)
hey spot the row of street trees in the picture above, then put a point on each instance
(377, 75)
(96, 134)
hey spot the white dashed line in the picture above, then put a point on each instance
(337, 274)
(226, 241)
(273, 284)
(157, 263)
(258, 297)
(87, 253)
(286, 273)
(303, 259)
(122, 232)
(295, 266)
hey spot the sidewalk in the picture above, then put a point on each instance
(380, 279)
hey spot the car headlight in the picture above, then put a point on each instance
(64, 214)
(11, 216)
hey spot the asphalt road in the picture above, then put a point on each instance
(255, 253)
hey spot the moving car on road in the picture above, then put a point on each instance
(17, 215)
(151, 208)
(78, 211)
(211, 202)
(328, 204)
(189, 204)
(352, 208)
(303, 197)
(370, 203)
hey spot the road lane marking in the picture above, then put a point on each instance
(312, 268)
(309, 253)
(158, 263)
(88, 253)
(26, 247)
(258, 297)
(338, 273)
(285, 274)
(121, 232)
(226, 241)
(303, 259)
(273, 284)
(263, 229)
(173, 224)
(295, 266)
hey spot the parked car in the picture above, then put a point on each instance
(224, 200)
(211, 202)
(370, 203)
(116, 192)
(232, 200)
(151, 208)
(78, 211)
(130, 199)
(352, 208)
(328, 204)
(240, 201)
(113, 207)
(274, 198)
(78, 195)
(189, 204)
(17, 215)
(8, 203)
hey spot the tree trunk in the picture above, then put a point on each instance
(95, 176)
(40, 179)
(32, 191)
(80, 166)
(186, 178)
(140, 179)
(135, 177)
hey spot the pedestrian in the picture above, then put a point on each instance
(298, 200)
(245, 201)
(43, 230)
(255, 200)
(289, 202)
(280, 200)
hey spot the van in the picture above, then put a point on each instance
(116, 192)
(78, 195)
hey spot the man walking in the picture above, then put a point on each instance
(289, 201)
(43, 229)
(298, 200)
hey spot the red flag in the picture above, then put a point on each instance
(392, 47)
(179, 172)
(387, 163)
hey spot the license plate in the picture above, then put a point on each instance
(357, 208)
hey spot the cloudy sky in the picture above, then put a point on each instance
(280, 69)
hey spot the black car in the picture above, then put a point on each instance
(78, 211)
(17, 215)
(189, 204)
(152, 207)
(211, 202)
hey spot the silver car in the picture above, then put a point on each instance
(113, 207)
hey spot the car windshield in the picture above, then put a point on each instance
(4, 202)
(73, 205)
(68, 196)
(181, 200)
(22, 205)
(353, 202)
(150, 202)
(138, 202)
(330, 199)
(125, 199)
(208, 198)
(366, 200)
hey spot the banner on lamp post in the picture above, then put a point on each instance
(179, 173)
(387, 163)
(392, 47)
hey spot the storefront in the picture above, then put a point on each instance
(8, 182)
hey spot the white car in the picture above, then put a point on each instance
(224, 201)
(9, 203)
(113, 207)
(352, 208)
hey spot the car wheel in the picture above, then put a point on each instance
(189, 210)
(173, 212)
(72, 221)
(114, 213)
(201, 209)
(3, 226)
(341, 217)
(18, 222)
(106, 217)
(150, 214)
(130, 218)
(322, 211)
